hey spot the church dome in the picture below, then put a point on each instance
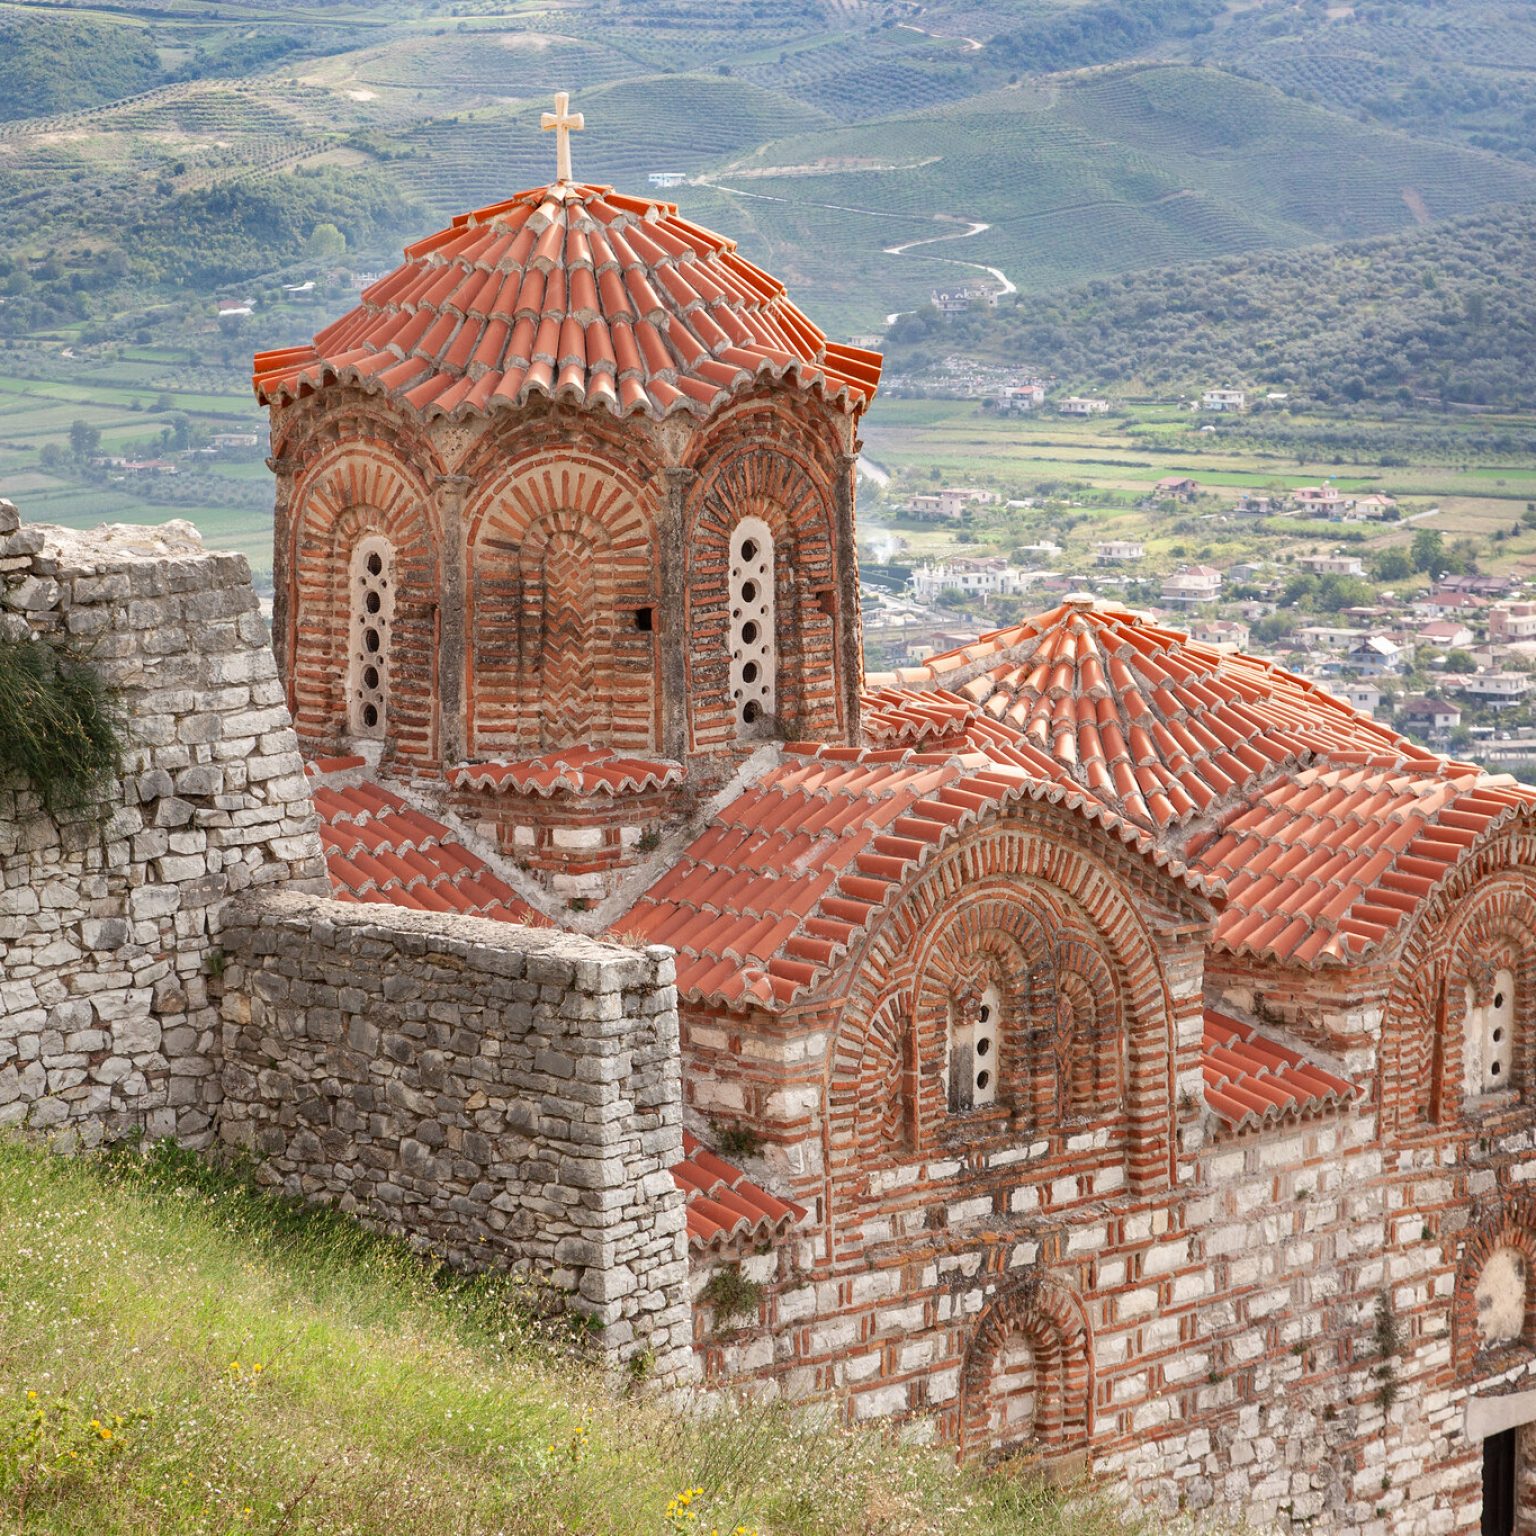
(580, 294)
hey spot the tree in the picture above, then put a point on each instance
(1392, 565)
(1428, 551)
(1460, 662)
(84, 439)
(325, 243)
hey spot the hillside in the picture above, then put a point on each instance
(1461, 73)
(182, 1355)
(1444, 313)
(1109, 172)
(50, 65)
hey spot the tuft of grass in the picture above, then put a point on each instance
(267, 1367)
(59, 724)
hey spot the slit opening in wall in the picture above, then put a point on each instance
(1500, 1464)
(645, 620)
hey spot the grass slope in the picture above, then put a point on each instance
(180, 1355)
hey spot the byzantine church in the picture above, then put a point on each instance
(1096, 1046)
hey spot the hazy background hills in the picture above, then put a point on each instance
(1329, 199)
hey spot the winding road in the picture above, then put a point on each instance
(972, 228)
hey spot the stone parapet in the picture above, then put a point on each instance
(504, 1095)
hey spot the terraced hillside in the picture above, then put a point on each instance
(1461, 72)
(867, 151)
(1139, 167)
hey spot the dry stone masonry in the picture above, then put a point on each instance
(504, 1094)
(108, 922)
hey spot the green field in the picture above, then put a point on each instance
(1087, 478)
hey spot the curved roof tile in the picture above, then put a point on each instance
(1154, 724)
(377, 849)
(764, 906)
(1253, 1080)
(580, 294)
(722, 1205)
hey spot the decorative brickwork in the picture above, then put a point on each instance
(1050, 1319)
(562, 603)
(353, 495)
(1138, 1044)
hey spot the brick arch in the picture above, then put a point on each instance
(744, 471)
(305, 432)
(1087, 1040)
(1083, 896)
(560, 562)
(354, 489)
(1051, 1318)
(509, 439)
(1486, 911)
(1511, 1225)
(870, 1088)
(996, 935)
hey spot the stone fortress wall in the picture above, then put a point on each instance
(108, 926)
(505, 1093)
(175, 966)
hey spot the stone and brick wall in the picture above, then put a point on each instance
(107, 921)
(503, 1094)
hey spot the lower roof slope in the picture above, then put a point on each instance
(1158, 726)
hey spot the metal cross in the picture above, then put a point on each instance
(562, 120)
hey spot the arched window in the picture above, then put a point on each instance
(753, 662)
(1490, 1035)
(973, 1031)
(373, 610)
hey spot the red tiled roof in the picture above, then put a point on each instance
(324, 765)
(722, 1205)
(767, 901)
(377, 849)
(580, 294)
(1327, 864)
(905, 717)
(1253, 1080)
(1158, 727)
(573, 770)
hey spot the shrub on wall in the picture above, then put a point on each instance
(60, 728)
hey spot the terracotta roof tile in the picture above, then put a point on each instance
(1176, 725)
(592, 280)
(1253, 1080)
(378, 849)
(722, 1206)
(816, 849)
(1326, 864)
(1315, 818)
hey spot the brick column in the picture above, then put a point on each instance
(282, 569)
(850, 627)
(672, 620)
(452, 706)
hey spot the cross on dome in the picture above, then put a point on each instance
(563, 122)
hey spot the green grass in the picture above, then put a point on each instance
(263, 1368)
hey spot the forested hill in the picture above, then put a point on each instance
(1444, 313)
(53, 65)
